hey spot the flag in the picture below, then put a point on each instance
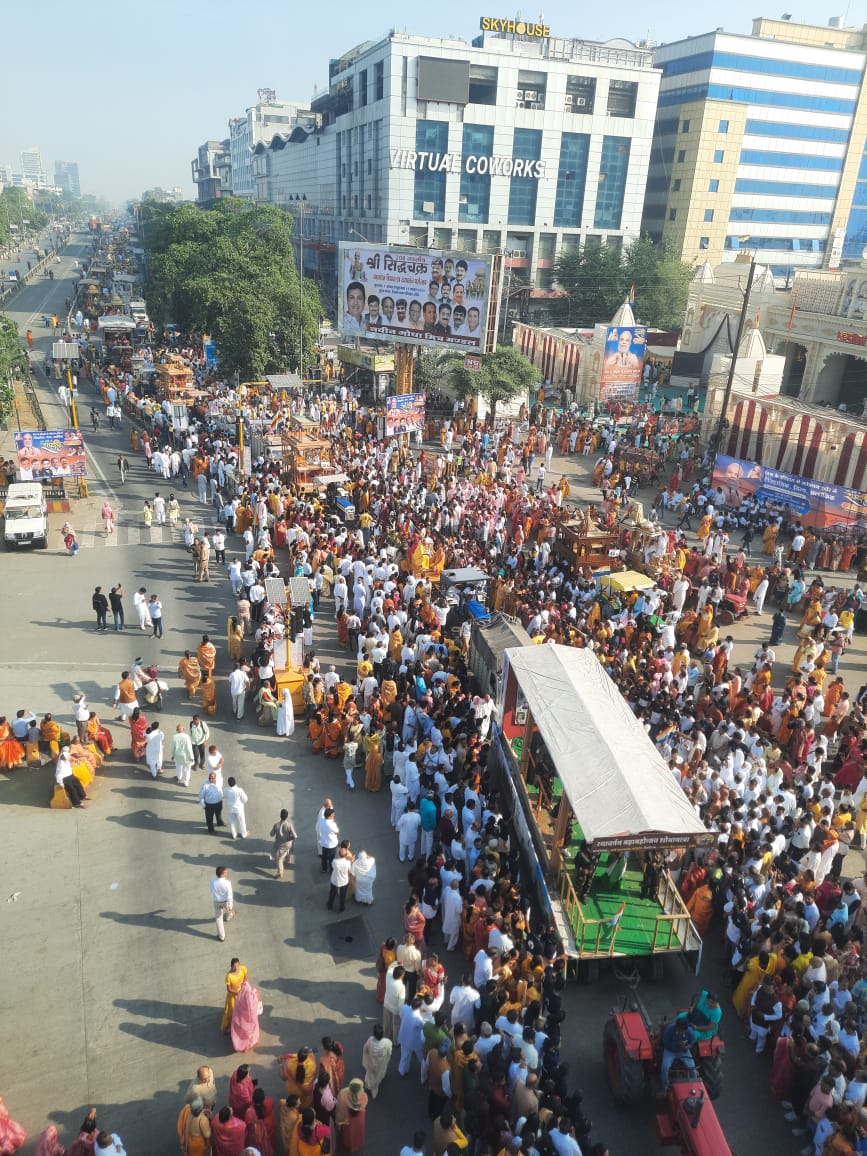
(614, 921)
(632, 294)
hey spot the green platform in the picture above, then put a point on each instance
(635, 931)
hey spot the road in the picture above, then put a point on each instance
(114, 975)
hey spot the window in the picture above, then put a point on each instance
(684, 126)
(713, 186)
(723, 126)
(672, 214)
(704, 242)
(613, 170)
(531, 90)
(708, 214)
(362, 87)
(681, 156)
(675, 185)
(527, 146)
(379, 80)
(580, 94)
(622, 95)
(483, 84)
(718, 156)
(369, 166)
(429, 195)
(475, 192)
(571, 180)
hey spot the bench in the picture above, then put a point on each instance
(60, 801)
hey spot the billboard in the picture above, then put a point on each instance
(824, 506)
(622, 363)
(419, 296)
(52, 453)
(404, 414)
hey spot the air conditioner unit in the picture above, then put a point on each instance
(581, 101)
(427, 206)
(519, 253)
(530, 94)
(569, 98)
(537, 104)
(519, 95)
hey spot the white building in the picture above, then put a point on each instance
(519, 144)
(32, 165)
(259, 123)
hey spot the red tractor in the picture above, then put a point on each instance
(690, 1122)
(632, 1048)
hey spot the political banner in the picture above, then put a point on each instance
(418, 296)
(52, 453)
(404, 414)
(827, 507)
(622, 363)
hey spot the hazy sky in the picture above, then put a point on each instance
(129, 90)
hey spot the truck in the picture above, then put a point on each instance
(25, 516)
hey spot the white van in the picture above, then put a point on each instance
(25, 517)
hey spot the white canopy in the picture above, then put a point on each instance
(620, 788)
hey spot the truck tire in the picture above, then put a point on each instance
(712, 1075)
(625, 1076)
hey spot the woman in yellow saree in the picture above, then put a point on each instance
(191, 673)
(373, 762)
(209, 694)
(235, 977)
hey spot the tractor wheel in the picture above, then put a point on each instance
(712, 1075)
(726, 618)
(625, 1076)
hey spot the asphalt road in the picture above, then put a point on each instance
(114, 977)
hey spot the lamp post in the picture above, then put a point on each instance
(734, 358)
(507, 256)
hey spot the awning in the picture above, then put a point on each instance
(116, 321)
(289, 381)
(626, 580)
(620, 788)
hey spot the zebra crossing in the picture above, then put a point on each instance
(92, 536)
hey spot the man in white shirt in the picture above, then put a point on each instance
(464, 1000)
(341, 870)
(154, 746)
(561, 1137)
(239, 684)
(328, 835)
(407, 828)
(393, 1001)
(236, 798)
(224, 900)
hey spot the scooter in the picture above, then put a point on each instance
(147, 680)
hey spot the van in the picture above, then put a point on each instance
(25, 516)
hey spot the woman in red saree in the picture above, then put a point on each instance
(138, 726)
(12, 1135)
(331, 1061)
(240, 1091)
(99, 735)
(414, 923)
(11, 751)
(261, 1128)
(229, 1133)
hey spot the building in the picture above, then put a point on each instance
(66, 177)
(212, 170)
(259, 123)
(519, 144)
(759, 143)
(32, 166)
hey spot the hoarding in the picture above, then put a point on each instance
(52, 453)
(422, 297)
(826, 507)
(404, 414)
(622, 363)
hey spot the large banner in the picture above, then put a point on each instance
(52, 453)
(404, 414)
(622, 363)
(820, 504)
(418, 296)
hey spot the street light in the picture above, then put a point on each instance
(734, 358)
(507, 255)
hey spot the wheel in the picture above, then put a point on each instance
(711, 1069)
(40, 543)
(726, 618)
(625, 1076)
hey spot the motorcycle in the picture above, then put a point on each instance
(147, 680)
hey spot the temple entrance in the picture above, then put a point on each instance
(793, 371)
(842, 381)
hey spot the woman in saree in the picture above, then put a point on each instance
(316, 732)
(298, 1069)
(331, 1061)
(261, 1126)
(194, 1129)
(373, 762)
(51, 734)
(236, 639)
(704, 628)
(414, 923)
(209, 693)
(311, 1135)
(190, 671)
(241, 1090)
(81, 754)
(244, 1028)
(765, 963)
(99, 735)
(229, 1132)
(235, 978)
(11, 751)
(324, 1103)
(387, 956)
(289, 1116)
(266, 706)
(342, 630)
(350, 1116)
(138, 726)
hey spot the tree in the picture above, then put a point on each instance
(505, 374)
(661, 283)
(229, 271)
(11, 358)
(592, 280)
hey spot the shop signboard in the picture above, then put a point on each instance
(51, 453)
(426, 297)
(622, 363)
(404, 414)
(834, 509)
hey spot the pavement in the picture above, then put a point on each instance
(115, 978)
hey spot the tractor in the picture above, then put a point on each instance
(689, 1121)
(632, 1048)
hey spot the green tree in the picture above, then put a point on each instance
(505, 374)
(11, 357)
(592, 279)
(229, 271)
(661, 283)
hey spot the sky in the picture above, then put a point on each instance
(130, 90)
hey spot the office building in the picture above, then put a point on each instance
(520, 144)
(260, 122)
(66, 177)
(32, 165)
(759, 144)
(212, 170)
